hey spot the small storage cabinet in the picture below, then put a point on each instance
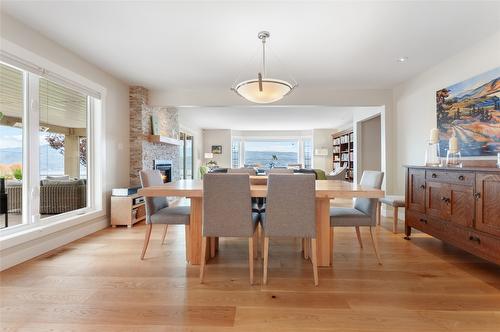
(127, 210)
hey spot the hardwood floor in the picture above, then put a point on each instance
(99, 284)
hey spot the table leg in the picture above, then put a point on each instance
(194, 237)
(323, 231)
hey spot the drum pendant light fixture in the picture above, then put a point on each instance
(263, 89)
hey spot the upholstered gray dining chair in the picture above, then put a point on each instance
(276, 170)
(290, 212)
(243, 170)
(364, 212)
(227, 212)
(157, 209)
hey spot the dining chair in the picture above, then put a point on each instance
(363, 213)
(227, 212)
(276, 170)
(290, 212)
(157, 209)
(243, 170)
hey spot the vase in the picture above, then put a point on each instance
(432, 157)
(453, 159)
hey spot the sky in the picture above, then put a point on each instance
(474, 82)
(272, 146)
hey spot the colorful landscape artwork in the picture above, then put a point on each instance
(471, 111)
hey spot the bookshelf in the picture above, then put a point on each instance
(343, 151)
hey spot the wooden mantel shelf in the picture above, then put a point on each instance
(163, 139)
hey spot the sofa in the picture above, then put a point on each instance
(56, 196)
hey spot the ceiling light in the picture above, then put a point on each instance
(403, 59)
(263, 89)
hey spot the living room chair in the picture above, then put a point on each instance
(157, 209)
(227, 212)
(339, 174)
(243, 170)
(276, 170)
(364, 212)
(290, 212)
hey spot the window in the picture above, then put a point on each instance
(271, 153)
(307, 145)
(235, 153)
(45, 146)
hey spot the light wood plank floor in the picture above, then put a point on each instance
(99, 284)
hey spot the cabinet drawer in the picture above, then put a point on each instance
(438, 176)
(484, 245)
(426, 224)
(463, 178)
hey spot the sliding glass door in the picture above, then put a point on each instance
(186, 156)
(44, 147)
(12, 96)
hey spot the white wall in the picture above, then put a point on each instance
(415, 100)
(322, 139)
(116, 131)
(371, 145)
(218, 137)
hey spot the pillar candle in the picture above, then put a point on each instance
(453, 145)
(434, 138)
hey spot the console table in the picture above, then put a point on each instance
(460, 206)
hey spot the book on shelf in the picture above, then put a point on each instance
(124, 191)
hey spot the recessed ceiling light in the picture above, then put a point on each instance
(403, 59)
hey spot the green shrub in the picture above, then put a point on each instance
(18, 174)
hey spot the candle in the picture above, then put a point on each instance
(434, 136)
(453, 145)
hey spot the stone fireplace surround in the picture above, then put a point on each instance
(143, 152)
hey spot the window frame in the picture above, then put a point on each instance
(96, 154)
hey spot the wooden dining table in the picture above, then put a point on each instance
(326, 190)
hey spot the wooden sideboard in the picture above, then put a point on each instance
(460, 206)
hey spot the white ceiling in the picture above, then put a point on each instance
(267, 117)
(188, 45)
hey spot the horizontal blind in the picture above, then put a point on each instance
(11, 91)
(42, 72)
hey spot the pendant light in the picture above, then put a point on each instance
(263, 89)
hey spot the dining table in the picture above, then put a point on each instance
(326, 190)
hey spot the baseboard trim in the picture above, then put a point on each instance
(20, 253)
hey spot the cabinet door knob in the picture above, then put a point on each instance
(422, 186)
(434, 175)
(477, 195)
(461, 177)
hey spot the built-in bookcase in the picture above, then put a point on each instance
(343, 151)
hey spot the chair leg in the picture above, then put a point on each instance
(164, 235)
(375, 247)
(255, 239)
(358, 235)
(266, 259)
(146, 240)
(379, 212)
(306, 247)
(261, 241)
(250, 257)
(314, 261)
(203, 258)
(395, 216)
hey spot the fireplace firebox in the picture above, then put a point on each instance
(165, 167)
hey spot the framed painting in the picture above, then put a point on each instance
(217, 149)
(470, 110)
